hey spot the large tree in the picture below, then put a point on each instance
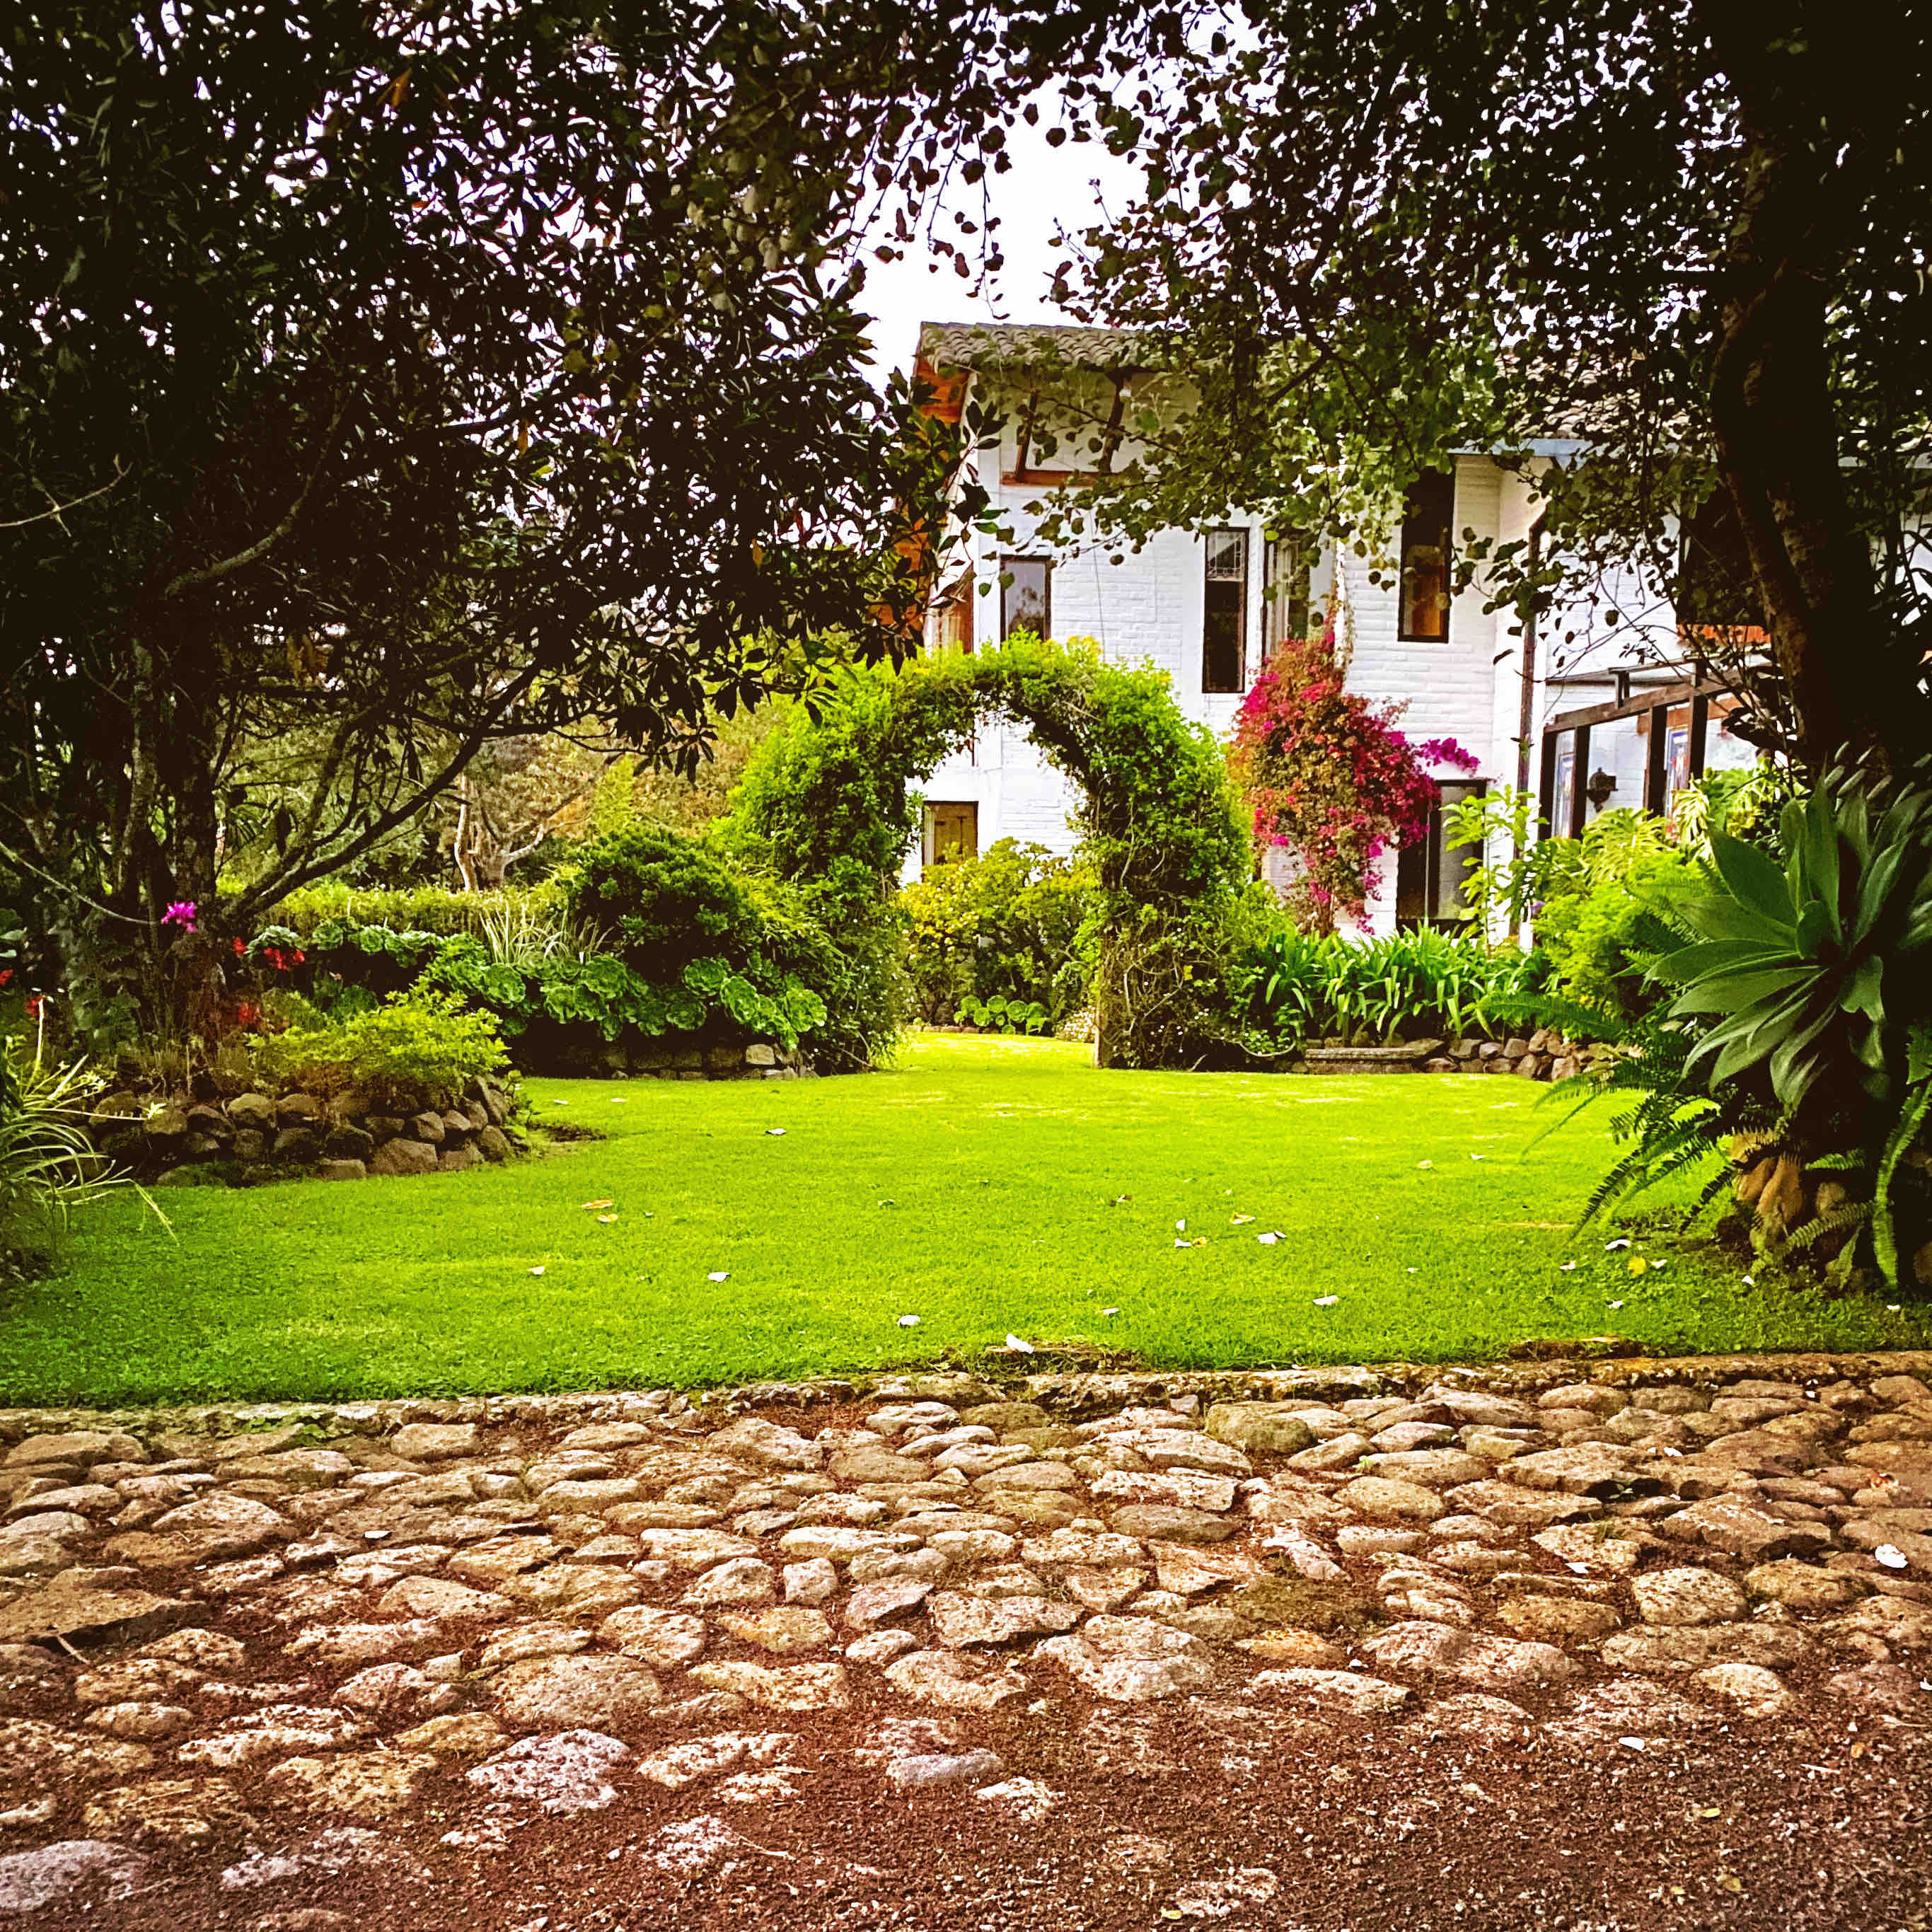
(379, 382)
(1691, 236)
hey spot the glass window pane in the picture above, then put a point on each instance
(1224, 628)
(1026, 600)
(1285, 582)
(1425, 550)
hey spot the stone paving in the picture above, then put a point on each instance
(250, 1662)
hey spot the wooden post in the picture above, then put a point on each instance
(1579, 802)
(1657, 761)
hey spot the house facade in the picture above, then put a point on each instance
(1207, 607)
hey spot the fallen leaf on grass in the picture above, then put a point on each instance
(1025, 1348)
(591, 1206)
(536, 1271)
(1425, 1163)
(1110, 1311)
(1637, 1264)
(1327, 1300)
(774, 1133)
(1621, 1241)
(1239, 1220)
(1268, 1240)
(908, 1320)
(607, 1219)
(720, 1274)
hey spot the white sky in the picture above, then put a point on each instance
(1046, 189)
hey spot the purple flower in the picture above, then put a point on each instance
(181, 913)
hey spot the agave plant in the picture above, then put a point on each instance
(1802, 1032)
(1816, 971)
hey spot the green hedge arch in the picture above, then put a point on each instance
(831, 803)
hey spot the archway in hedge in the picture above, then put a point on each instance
(828, 803)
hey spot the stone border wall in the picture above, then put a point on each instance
(1073, 1394)
(199, 1134)
(691, 1060)
(1544, 1055)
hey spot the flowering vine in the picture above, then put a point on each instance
(1330, 778)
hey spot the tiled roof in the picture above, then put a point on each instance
(978, 345)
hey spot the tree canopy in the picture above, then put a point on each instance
(379, 382)
(1690, 238)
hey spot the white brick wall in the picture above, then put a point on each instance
(1148, 609)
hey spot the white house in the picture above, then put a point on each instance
(1579, 711)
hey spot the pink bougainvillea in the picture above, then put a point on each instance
(1330, 778)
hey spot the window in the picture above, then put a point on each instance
(1424, 590)
(1026, 596)
(951, 833)
(955, 616)
(1285, 572)
(1429, 874)
(1224, 627)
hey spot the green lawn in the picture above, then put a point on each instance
(984, 1185)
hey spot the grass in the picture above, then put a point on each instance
(984, 1186)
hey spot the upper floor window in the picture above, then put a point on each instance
(1424, 616)
(1284, 593)
(1224, 627)
(1026, 596)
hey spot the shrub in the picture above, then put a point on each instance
(412, 1052)
(430, 909)
(999, 1015)
(663, 900)
(1413, 984)
(1005, 924)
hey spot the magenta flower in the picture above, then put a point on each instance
(181, 913)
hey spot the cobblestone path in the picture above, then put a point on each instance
(1359, 1649)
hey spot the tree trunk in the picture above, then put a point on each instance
(1804, 127)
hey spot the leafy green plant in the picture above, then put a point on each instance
(1000, 1015)
(1815, 974)
(1799, 1044)
(1305, 985)
(415, 1051)
(48, 1164)
(1007, 922)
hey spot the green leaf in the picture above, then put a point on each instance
(1754, 879)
